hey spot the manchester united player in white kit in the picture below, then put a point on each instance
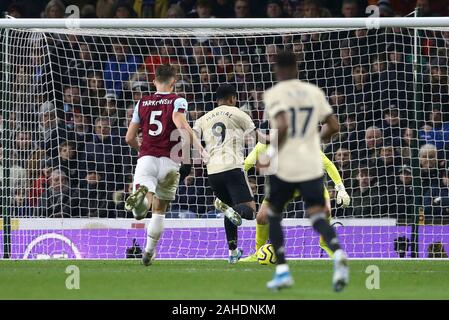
(294, 109)
(156, 176)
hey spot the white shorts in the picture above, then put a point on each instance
(159, 175)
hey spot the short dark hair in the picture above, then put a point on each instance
(225, 91)
(285, 59)
(165, 72)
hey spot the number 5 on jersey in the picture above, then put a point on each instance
(154, 121)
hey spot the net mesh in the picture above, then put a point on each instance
(68, 95)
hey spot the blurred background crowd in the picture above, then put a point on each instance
(219, 8)
(71, 97)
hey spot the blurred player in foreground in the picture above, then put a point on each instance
(294, 109)
(156, 175)
(224, 131)
(262, 216)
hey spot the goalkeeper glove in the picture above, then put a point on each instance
(342, 196)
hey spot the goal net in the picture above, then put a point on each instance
(67, 96)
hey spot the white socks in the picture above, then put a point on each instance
(154, 231)
(281, 268)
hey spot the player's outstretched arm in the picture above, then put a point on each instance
(131, 135)
(342, 196)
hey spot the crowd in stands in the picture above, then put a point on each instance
(70, 107)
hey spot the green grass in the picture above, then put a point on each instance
(217, 280)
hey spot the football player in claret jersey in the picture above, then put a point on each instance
(295, 109)
(156, 175)
(224, 130)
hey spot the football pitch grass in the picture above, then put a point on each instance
(216, 279)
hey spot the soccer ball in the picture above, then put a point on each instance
(265, 254)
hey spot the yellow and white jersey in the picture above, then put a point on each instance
(223, 130)
(306, 106)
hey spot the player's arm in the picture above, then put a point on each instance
(281, 124)
(342, 196)
(133, 129)
(179, 119)
(330, 127)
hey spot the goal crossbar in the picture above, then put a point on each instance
(411, 22)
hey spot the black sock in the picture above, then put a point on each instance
(231, 233)
(322, 226)
(245, 211)
(277, 237)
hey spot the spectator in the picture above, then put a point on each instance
(24, 144)
(38, 174)
(105, 8)
(203, 9)
(175, 11)
(436, 88)
(350, 9)
(72, 103)
(119, 67)
(370, 145)
(436, 132)
(242, 9)
(123, 10)
(365, 198)
(359, 91)
(54, 9)
(52, 130)
(96, 199)
(59, 200)
(274, 9)
(205, 89)
(68, 162)
(392, 125)
(385, 166)
(82, 129)
(104, 153)
(20, 206)
(15, 10)
(17, 174)
(407, 142)
(436, 198)
(428, 162)
(344, 164)
(403, 196)
(254, 106)
(92, 99)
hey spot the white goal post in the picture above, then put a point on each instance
(68, 86)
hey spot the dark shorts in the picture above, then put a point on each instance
(231, 187)
(279, 192)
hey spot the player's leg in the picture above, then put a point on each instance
(241, 195)
(278, 193)
(218, 185)
(313, 194)
(262, 230)
(327, 211)
(144, 187)
(155, 229)
(168, 180)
